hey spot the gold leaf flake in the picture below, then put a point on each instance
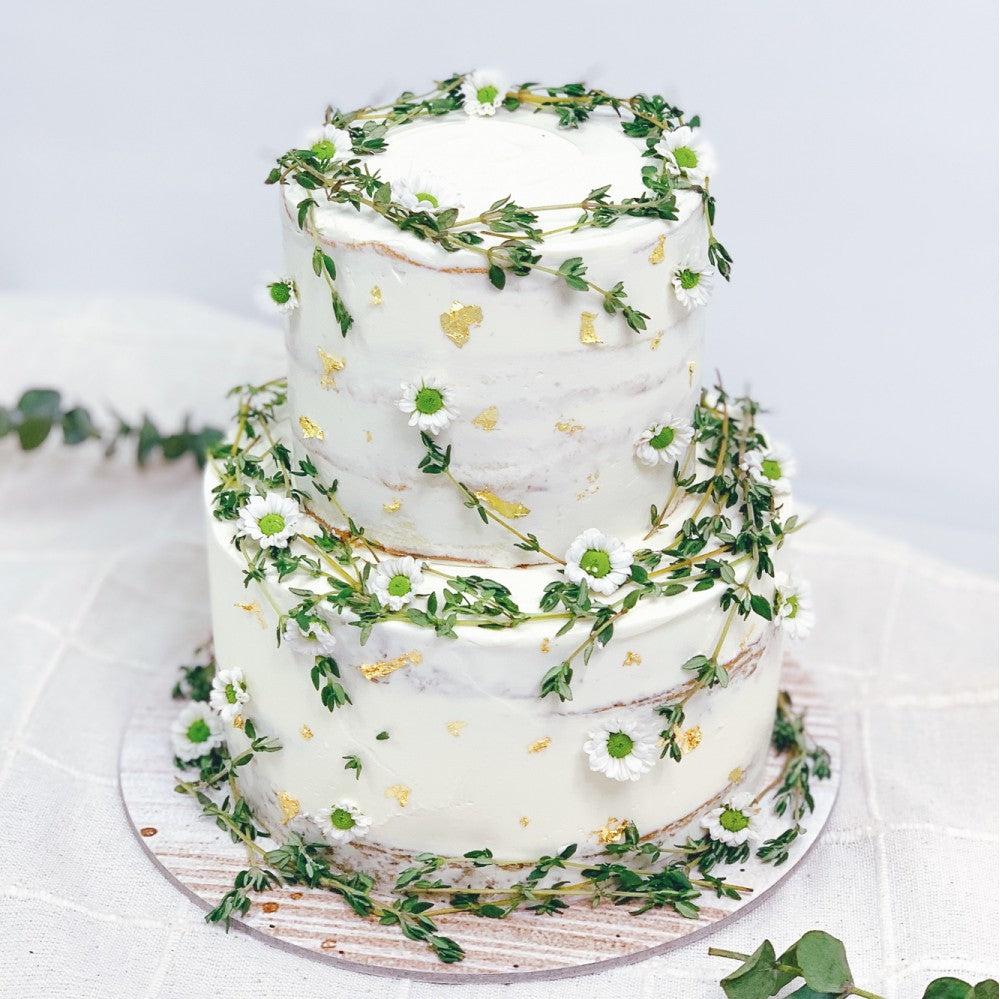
(455, 728)
(592, 486)
(392, 506)
(612, 830)
(568, 427)
(632, 659)
(310, 429)
(368, 437)
(487, 419)
(656, 256)
(506, 508)
(331, 365)
(524, 820)
(655, 342)
(238, 721)
(736, 776)
(400, 792)
(690, 739)
(376, 298)
(254, 609)
(377, 670)
(545, 645)
(289, 806)
(691, 366)
(306, 732)
(539, 744)
(456, 321)
(587, 333)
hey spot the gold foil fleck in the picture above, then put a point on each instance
(545, 645)
(306, 732)
(587, 333)
(328, 944)
(310, 429)
(632, 659)
(455, 728)
(655, 342)
(736, 776)
(487, 419)
(393, 505)
(524, 820)
(238, 721)
(506, 508)
(295, 894)
(289, 806)
(376, 298)
(148, 831)
(656, 255)
(368, 437)
(331, 365)
(592, 486)
(400, 792)
(568, 427)
(691, 366)
(539, 744)
(269, 907)
(690, 739)
(456, 321)
(612, 830)
(377, 670)
(254, 609)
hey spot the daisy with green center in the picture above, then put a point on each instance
(773, 466)
(428, 403)
(622, 748)
(692, 284)
(316, 640)
(600, 561)
(269, 520)
(423, 193)
(196, 731)
(665, 441)
(734, 821)
(395, 581)
(342, 822)
(330, 143)
(281, 294)
(793, 605)
(685, 153)
(228, 694)
(483, 92)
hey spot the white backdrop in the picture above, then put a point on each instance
(858, 191)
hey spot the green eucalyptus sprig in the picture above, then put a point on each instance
(508, 236)
(40, 412)
(820, 961)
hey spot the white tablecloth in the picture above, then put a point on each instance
(103, 594)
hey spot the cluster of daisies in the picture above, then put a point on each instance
(200, 727)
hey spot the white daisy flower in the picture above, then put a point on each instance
(270, 520)
(196, 731)
(317, 640)
(600, 561)
(229, 693)
(687, 154)
(395, 581)
(281, 294)
(330, 143)
(622, 748)
(793, 605)
(423, 193)
(428, 404)
(665, 441)
(734, 821)
(774, 466)
(483, 92)
(343, 822)
(692, 284)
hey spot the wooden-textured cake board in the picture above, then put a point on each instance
(202, 860)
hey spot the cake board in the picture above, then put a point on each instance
(202, 861)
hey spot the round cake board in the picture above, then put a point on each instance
(202, 860)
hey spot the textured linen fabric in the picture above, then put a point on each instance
(103, 594)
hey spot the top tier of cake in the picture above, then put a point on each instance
(550, 392)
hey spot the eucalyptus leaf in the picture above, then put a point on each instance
(756, 978)
(823, 961)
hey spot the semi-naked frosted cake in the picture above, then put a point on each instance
(492, 567)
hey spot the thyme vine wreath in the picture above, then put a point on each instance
(508, 236)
